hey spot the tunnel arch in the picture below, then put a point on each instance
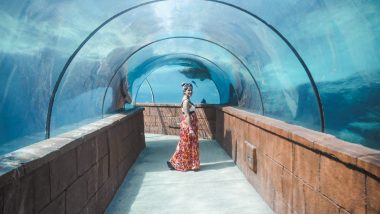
(288, 44)
(182, 37)
(192, 69)
(174, 56)
(150, 88)
(194, 55)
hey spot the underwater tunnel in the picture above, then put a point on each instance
(314, 64)
(287, 94)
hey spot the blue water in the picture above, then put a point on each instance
(231, 56)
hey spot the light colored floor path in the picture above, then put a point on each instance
(219, 187)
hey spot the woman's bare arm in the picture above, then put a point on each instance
(186, 107)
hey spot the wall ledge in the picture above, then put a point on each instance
(16, 164)
(354, 156)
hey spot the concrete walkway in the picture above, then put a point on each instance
(219, 187)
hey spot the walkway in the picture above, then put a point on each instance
(219, 187)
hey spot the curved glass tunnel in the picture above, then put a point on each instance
(62, 62)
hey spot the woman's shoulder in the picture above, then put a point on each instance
(184, 101)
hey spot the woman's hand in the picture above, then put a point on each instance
(191, 132)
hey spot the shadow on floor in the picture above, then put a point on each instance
(217, 165)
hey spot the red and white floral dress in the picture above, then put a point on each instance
(186, 156)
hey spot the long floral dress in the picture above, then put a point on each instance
(186, 156)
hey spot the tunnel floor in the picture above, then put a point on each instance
(219, 187)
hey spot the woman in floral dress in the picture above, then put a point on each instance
(186, 156)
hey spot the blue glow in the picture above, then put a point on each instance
(339, 42)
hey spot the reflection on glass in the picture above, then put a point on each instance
(338, 41)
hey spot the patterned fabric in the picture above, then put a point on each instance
(186, 156)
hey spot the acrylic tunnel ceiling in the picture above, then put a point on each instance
(312, 63)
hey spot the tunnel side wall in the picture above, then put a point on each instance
(165, 118)
(76, 172)
(299, 170)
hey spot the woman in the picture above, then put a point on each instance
(186, 156)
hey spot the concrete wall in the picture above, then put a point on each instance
(297, 170)
(76, 172)
(164, 119)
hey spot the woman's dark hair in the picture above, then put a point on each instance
(185, 86)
